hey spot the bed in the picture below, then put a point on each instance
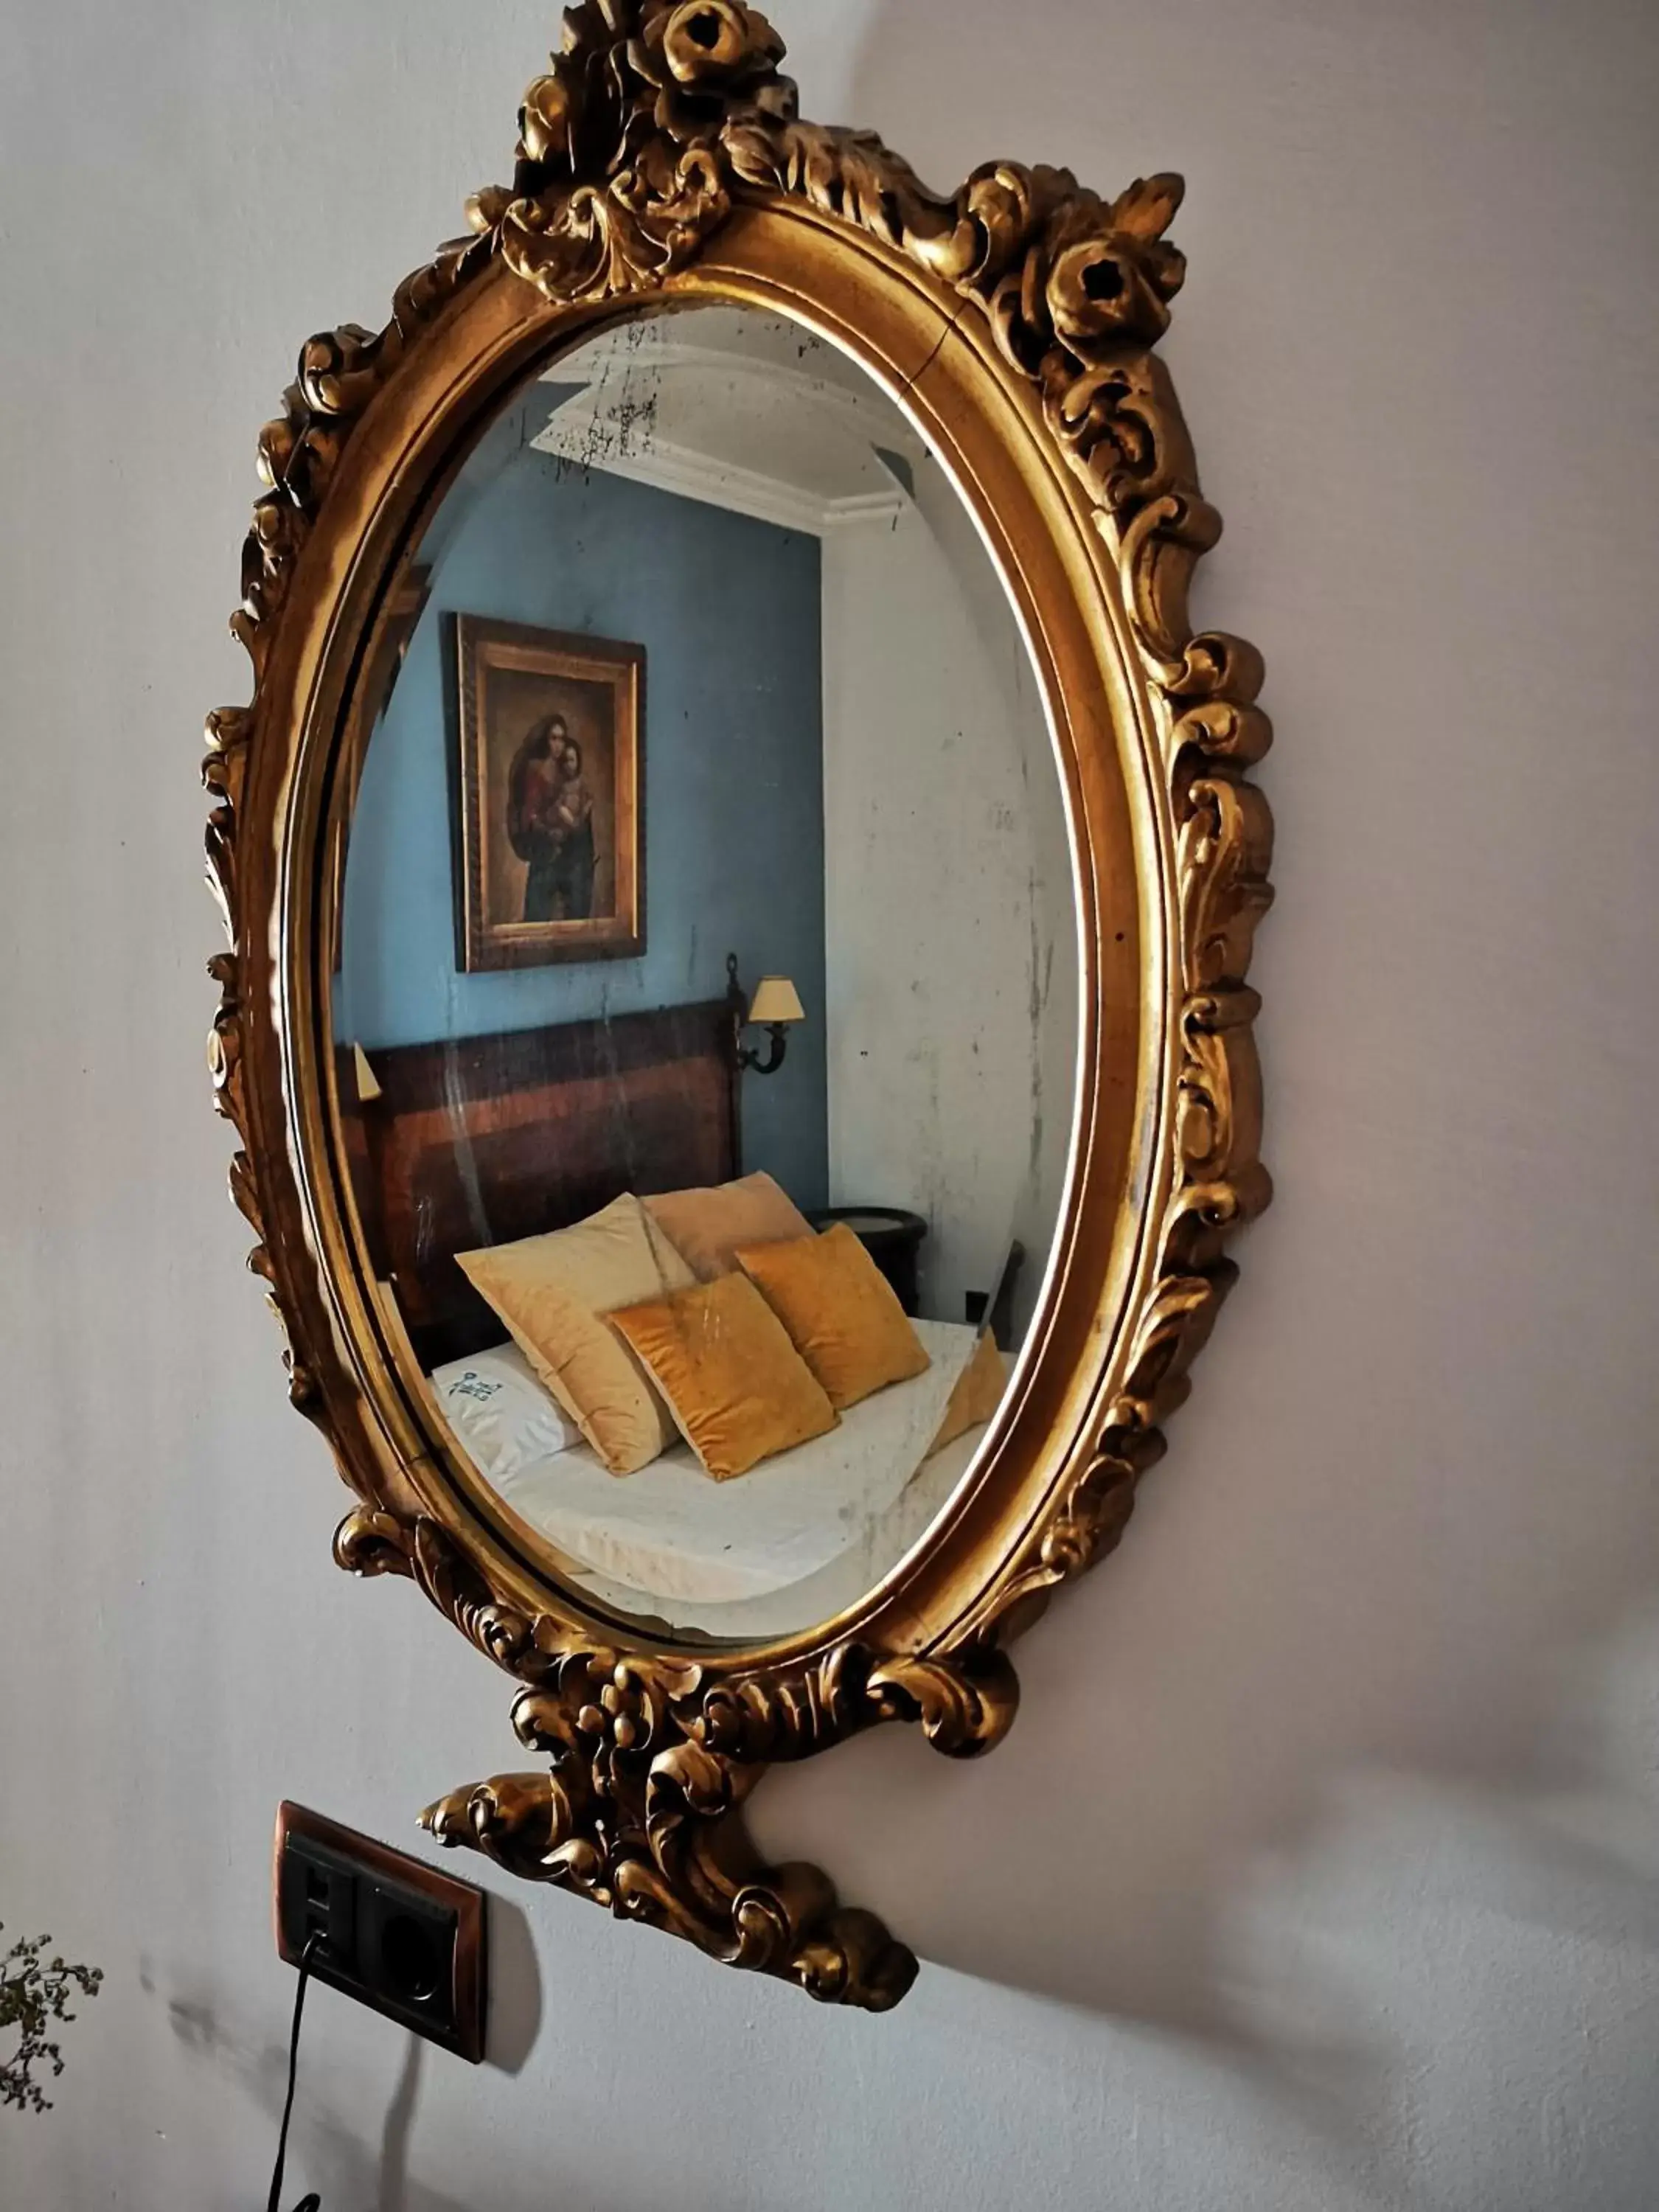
(670, 1539)
(483, 1140)
(487, 1140)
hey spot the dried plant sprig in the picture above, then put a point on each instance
(34, 1992)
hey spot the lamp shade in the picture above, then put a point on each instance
(369, 1086)
(776, 1000)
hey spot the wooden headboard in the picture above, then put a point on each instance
(483, 1139)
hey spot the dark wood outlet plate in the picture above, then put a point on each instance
(378, 1861)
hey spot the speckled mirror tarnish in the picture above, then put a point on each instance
(1009, 329)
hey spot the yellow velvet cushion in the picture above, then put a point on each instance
(554, 1293)
(978, 1395)
(706, 1226)
(738, 1388)
(843, 1314)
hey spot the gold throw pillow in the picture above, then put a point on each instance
(843, 1314)
(705, 1227)
(738, 1388)
(554, 1293)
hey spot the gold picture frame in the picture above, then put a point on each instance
(549, 865)
(662, 162)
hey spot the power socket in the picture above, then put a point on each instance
(392, 1932)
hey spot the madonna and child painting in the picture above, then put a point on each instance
(551, 732)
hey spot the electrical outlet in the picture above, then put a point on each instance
(391, 1931)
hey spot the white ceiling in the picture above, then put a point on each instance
(747, 411)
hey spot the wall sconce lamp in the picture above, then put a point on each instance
(775, 1004)
(368, 1084)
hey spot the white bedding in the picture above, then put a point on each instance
(670, 1535)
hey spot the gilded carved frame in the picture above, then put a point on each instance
(663, 160)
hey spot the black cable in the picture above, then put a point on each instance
(313, 2203)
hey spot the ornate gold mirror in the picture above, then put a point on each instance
(739, 878)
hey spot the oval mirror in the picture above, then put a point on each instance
(708, 975)
(740, 875)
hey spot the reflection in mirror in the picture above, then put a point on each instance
(706, 999)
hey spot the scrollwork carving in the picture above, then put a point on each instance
(621, 171)
(372, 1542)
(661, 1848)
(965, 1706)
(636, 1812)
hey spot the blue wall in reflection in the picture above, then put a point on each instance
(729, 612)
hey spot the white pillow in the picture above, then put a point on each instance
(501, 1413)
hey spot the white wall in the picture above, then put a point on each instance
(949, 922)
(1318, 1873)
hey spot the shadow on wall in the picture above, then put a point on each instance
(1345, 1690)
(331, 2148)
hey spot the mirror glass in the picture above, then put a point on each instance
(706, 995)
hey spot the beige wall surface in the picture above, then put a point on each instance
(1319, 1871)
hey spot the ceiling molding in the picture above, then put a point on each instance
(864, 408)
(584, 440)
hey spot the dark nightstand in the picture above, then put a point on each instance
(891, 1237)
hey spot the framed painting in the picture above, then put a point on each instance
(550, 758)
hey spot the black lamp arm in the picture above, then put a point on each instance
(774, 1060)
